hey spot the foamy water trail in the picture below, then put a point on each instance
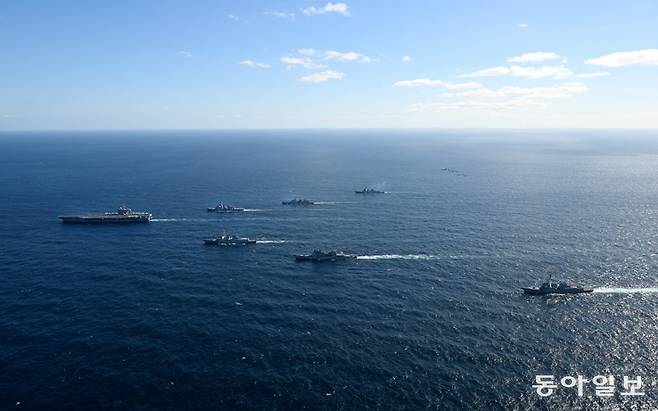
(616, 290)
(270, 241)
(399, 257)
(168, 220)
(253, 210)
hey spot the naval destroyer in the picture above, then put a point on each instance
(298, 202)
(368, 190)
(550, 287)
(229, 240)
(319, 256)
(225, 208)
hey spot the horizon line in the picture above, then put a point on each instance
(233, 129)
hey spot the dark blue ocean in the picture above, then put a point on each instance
(431, 315)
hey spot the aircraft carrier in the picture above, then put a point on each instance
(123, 215)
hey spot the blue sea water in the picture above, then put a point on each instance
(144, 317)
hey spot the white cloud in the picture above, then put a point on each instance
(563, 90)
(366, 60)
(488, 72)
(485, 92)
(477, 105)
(419, 82)
(323, 76)
(330, 7)
(593, 75)
(227, 116)
(627, 58)
(251, 63)
(535, 57)
(522, 25)
(462, 86)
(337, 55)
(556, 72)
(233, 17)
(312, 59)
(305, 62)
(425, 82)
(517, 98)
(185, 53)
(281, 15)
(406, 59)
(348, 56)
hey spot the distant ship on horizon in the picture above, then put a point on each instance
(369, 190)
(123, 215)
(299, 202)
(229, 240)
(225, 208)
(319, 256)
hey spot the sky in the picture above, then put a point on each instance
(211, 64)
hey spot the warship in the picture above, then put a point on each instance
(224, 208)
(229, 240)
(319, 256)
(122, 215)
(549, 287)
(298, 202)
(368, 190)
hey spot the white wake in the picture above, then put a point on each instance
(399, 257)
(616, 290)
(168, 220)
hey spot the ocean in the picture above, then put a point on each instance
(430, 315)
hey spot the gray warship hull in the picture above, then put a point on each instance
(324, 257)
(571, 290)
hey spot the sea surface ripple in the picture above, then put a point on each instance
(430, 315)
